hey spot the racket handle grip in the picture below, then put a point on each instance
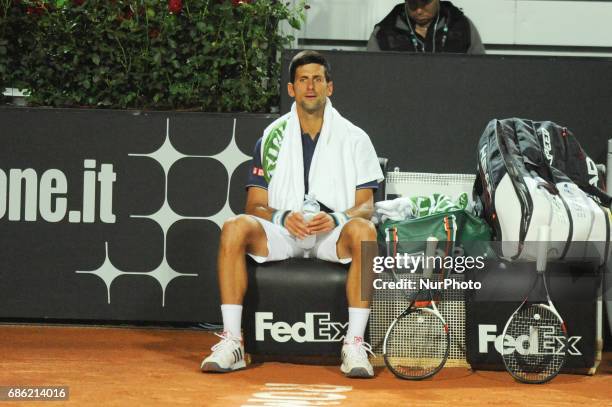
(432, 245)
(430, 251)
(542, 253)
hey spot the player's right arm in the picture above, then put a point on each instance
(257, 199)
(257, 205)
(257, 188)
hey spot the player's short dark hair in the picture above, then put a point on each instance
(309, 57)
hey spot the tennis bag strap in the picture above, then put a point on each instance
(443, 225)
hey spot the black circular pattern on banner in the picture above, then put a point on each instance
(137, 245)
(197, 186)
(192, 247)
(134, 296)
(238, 193)
(196, 135)
(141, 188)
(249, 130)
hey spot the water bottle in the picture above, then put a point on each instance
(309, 210)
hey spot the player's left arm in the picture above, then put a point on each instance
(364, 208)
(364, 204)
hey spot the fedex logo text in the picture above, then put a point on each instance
(317, 327)
(527, 344)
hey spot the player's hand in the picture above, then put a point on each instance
(322, 222)
(295, 224)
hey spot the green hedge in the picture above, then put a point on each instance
(4, 68)
(211, 55)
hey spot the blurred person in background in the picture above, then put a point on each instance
(426, 26)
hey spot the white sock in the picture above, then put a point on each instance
(358, 320)
(232, 319)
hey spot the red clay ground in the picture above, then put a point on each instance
(151, 367)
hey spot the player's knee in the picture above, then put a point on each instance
(237, 228)
(360, 229)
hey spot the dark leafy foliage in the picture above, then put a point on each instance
(211, 55)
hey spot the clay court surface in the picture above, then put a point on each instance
(151, 367)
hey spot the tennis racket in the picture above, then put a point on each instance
(417, 342)
(535, 337)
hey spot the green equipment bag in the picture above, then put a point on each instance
(463, 232)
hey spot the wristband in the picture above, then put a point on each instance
(278, 217)
(340, 218)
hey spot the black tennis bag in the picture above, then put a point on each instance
(536, 173)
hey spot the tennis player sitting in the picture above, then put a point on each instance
(310, 150)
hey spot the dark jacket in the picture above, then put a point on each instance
(453, 32)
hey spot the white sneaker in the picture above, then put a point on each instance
(227, 355)
(355, 361)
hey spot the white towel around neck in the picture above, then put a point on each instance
(343, 159)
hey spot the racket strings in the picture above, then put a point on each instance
(418, 344)
(534, 344)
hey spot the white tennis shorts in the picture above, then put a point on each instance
(283, 245)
